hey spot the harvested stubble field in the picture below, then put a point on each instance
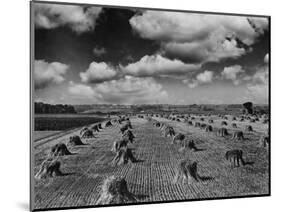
(43, 134)
(152, 177)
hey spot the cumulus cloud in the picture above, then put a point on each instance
(258, 92)
(98, 72)
(156, 65)
(202, 78)
(205, 77)
(258, 88)
(199, 37)
(46, 73)
(147, 66)
(82, 90)
(232, 73)
(132, 90)
(261, 76)
(204, 51)
(190, 27)
(99, 51)
(259, 24)
(78, 18)
(191, 83)
(128, 90)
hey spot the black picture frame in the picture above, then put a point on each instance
(32, 44)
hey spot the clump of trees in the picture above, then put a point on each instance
(248, 107)
(43, 108)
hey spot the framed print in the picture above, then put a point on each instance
(141, 105)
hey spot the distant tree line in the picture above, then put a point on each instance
(63, 123)
(42, 108)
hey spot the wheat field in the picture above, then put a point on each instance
(151, 177)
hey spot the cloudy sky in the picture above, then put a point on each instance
(93, 55)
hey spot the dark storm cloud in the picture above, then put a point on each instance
(112, 32)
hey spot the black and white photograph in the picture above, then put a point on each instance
(134, 105)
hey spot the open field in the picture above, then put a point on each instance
(151, 178)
